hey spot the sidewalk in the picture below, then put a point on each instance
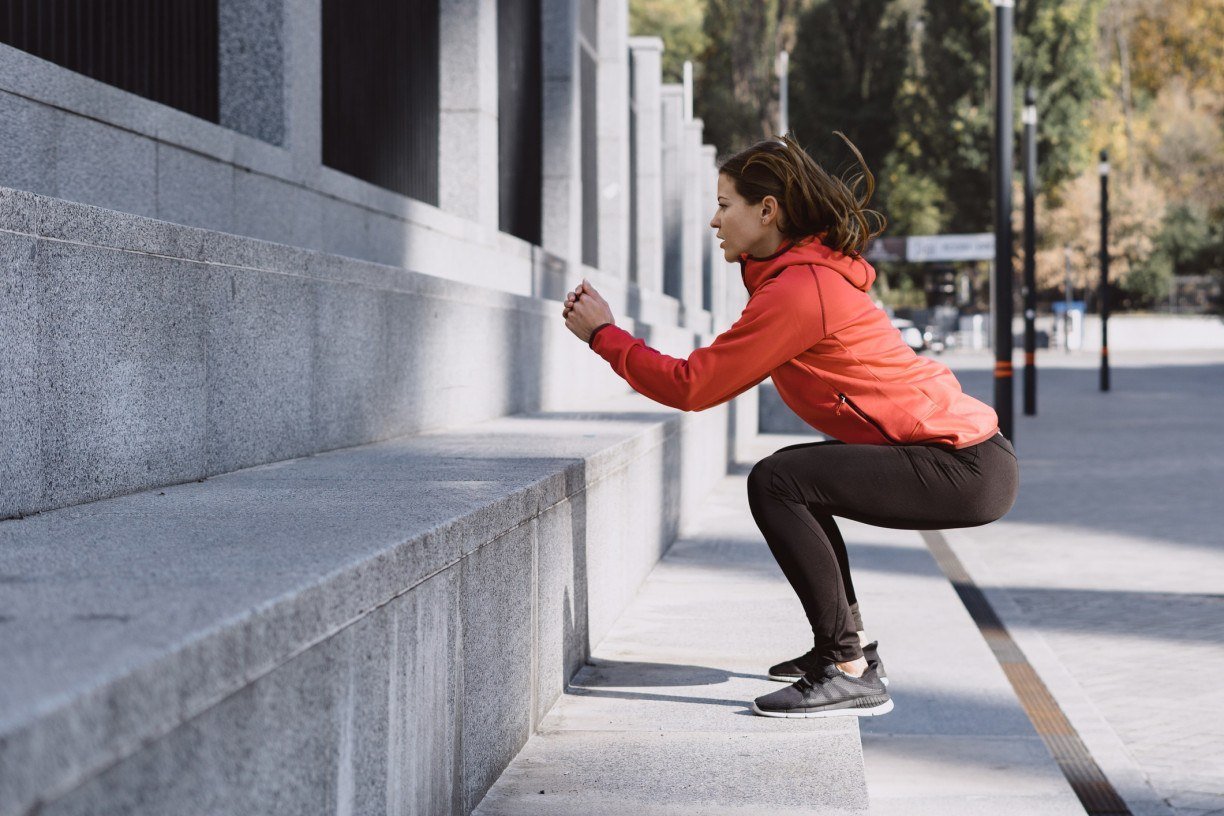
(1109, 570)
(660, 722)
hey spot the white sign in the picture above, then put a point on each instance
(979, 246)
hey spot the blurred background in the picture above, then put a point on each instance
(910, 84)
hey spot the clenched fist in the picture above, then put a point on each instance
(585, 311)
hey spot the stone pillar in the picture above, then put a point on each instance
(561, 226)
(612, 126)
(252, 76)
(646, 247)
(693, 230)
(716, 269)
(467, 115)
(302, 46)
(671, 98)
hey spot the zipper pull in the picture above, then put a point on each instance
(841, 400)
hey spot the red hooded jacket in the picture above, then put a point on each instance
(834, 356)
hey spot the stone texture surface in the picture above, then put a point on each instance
(659, 721)
(671, 116)
(173, 353)
(125, 180)
(74, 137)
(194, 189)
(27, 143)
(136, 616)
(251, 66)
(361, 723)
(646, 244)
(21, 313)
(498, 656)
(676, 772)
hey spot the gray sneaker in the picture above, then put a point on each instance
(828, 692)
(791, 670)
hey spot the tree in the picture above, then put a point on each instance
(948, 110)
(951, 110)
(737, 94)
(679, 24)
(1056, 53)
(846, 75)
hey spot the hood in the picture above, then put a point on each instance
(808, 250)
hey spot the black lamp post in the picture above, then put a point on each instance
(1003, 209)
(1030, 248)
(1103, 297)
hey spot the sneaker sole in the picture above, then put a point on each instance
(783, 678)
(874, 711)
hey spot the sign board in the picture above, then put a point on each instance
(886, 249)
(1061, 306)
(979, 246)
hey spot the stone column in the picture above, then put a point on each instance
(717, 271)
(646, 247)
(671, 98)
(252, 75)
(694, 230)
(612, 127)
(561, 225)
(302, 44)
(467, 115)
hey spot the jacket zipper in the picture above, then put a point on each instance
(843, 399)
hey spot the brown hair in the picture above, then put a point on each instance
(812, 201)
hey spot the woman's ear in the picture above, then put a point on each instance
(769, 210)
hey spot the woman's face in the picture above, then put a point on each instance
(744, 227)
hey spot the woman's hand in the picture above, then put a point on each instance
(585, 311)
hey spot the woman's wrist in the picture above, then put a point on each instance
(595, 331)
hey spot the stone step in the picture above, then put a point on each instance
(659, 723)
(137, 353)
(371, 629)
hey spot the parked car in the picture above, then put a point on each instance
(911, 334)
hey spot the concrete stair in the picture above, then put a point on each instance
(375, 629)
(285, 532)
(658, 723)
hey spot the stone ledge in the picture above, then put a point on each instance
(134, 616)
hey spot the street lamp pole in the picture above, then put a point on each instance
(783, 70)
(1030, 249)
(1103, 297)
(1003, 208)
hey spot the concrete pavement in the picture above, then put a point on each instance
(1109, 570)
(659, 723)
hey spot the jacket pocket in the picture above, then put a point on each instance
(842, 399)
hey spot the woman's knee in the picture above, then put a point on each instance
(760, 478)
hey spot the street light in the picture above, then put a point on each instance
(1030, 249)
(1103, 297)
(782, 68)
(1003, 210)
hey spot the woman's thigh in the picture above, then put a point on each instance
(903, 486)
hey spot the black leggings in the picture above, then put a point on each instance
(795, 493)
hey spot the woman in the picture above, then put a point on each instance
(908, 448)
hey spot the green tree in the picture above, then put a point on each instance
(679, 24)
(846, 75)
(948, 110)
(951, 110)
(736, 94)
(1056, 53)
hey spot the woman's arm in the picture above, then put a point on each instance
(781, 319)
